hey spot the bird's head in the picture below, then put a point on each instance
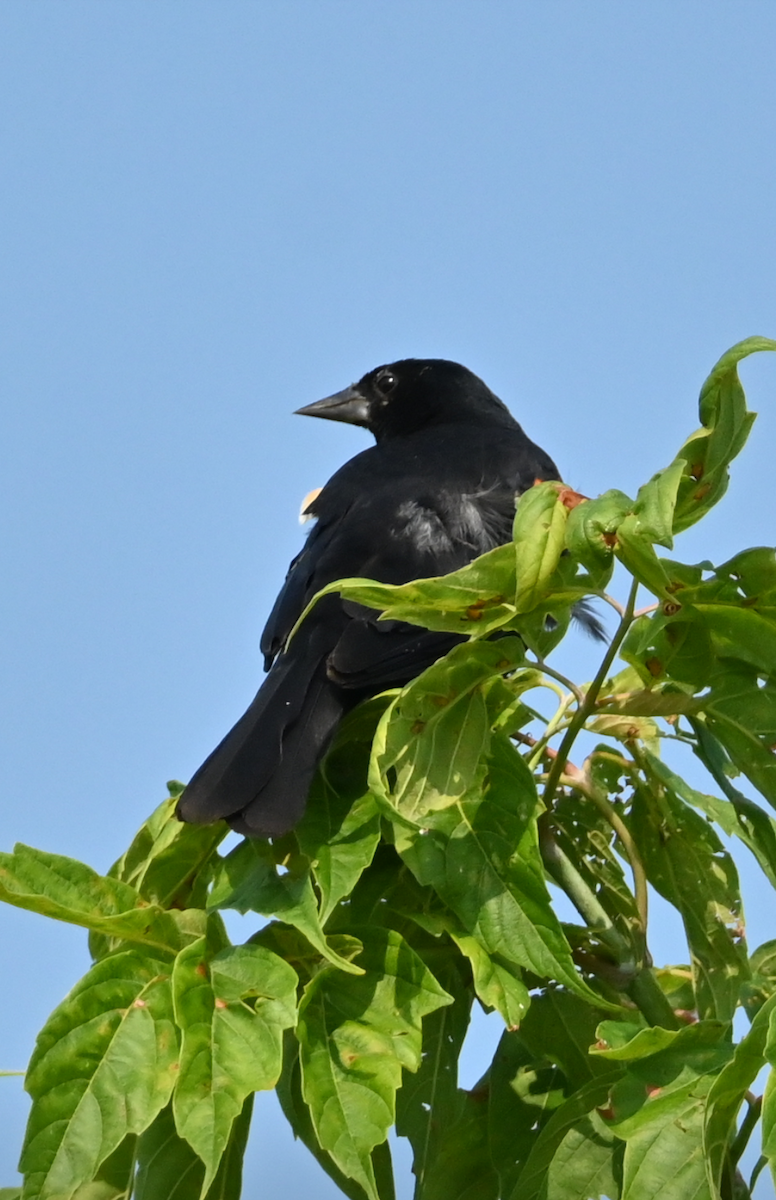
(403, 397)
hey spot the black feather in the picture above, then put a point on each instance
(437, 490)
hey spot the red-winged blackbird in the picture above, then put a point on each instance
(437, 490)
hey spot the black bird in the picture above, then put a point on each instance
(437, 490)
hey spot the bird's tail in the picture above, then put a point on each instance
(258, 777)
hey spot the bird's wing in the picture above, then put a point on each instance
(418, 537)
(302, 581)
(372, 654)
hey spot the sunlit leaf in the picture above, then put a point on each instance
(727, 1093)
(297, 1113)
(485, 865)
(104, 1065)
(430, 745)
(70, 891)
(165, 859)
(249, 881)
(168, 1168)
(474, 600)
(356, 1035)
(686, 862)
(232, 1008)
(725, 427)
(591, 533)
(539, 534)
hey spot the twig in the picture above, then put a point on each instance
(746, 1129)
(582, 783)
(575, 690)
(639, 984)
(618, 608)
(582, 897)
(585, 709)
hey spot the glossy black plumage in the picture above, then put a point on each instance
(436, 490)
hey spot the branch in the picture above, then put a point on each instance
(567, 683)
(583, 783)
(582, 897)
(586, 709)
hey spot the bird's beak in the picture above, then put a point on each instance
(348, 405)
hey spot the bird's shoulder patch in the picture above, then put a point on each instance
(307, 508)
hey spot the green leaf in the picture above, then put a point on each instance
(539, 534)
(653, 703)
(524, 1089)
(742, 716)
(658, 1054)
(587, 839)
(659, 1106)
(578, 1115)
(430, 744)
(297, 1113)
(634, 549)
(248, 880)
(484, 863)
(497, 985)
(727, 1095)
(356, 1035)
(232, 1008)
(741, 633)
(428, 1101)
(461, 1168)
(165, 860)
(535, 1126)
(737, 816)
(340, 829)
(762, 985)
(339, 845)
(591, 533)
(686, 862)
(587, 1162)
(114, 1178)
(168, 1168)
(103, 1067)
(663, 1155)
(561, 1027)
(769, 1096)
(477, 599)
(655, 504)
(624, 728)
(725, 428)
(70, 891)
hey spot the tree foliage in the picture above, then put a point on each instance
(417, 885)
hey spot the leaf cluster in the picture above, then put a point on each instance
(420, 882)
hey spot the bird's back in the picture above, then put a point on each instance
(407, 509)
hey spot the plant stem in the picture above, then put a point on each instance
(585, 786)
(642, 987)
(582, 897)
(646, 993)
(567, 683)
(556, 722)
(618, 608)
(586, 708)
(746, 1129)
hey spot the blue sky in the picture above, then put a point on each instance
(212, 213)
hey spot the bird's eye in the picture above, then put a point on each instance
(385, 383)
